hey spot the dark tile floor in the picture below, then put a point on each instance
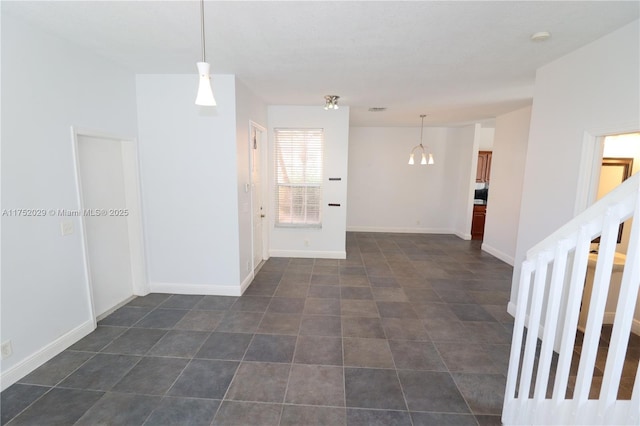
(409, 329)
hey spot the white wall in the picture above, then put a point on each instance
(48, 85)
(189, 175)
(388, 195)
(505, 194)
(486, 137)
(594, 89)
(462, 163)
(328, 242)
(385, 193)
(248, 108)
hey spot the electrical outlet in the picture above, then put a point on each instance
(248, 265)
(306, 243)
(66, 227)
(6, 349)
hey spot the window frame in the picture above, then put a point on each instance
(280, 139)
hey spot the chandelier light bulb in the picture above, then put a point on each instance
(411, 159)
(331, 102)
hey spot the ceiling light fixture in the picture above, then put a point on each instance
(205, 93)
(331, 102)
(423, 160)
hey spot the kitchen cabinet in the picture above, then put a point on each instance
(477, 223)
(484, 166)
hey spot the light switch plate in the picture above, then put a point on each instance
(66, 227)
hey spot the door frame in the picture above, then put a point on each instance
(263, 189)
(591, 162)
(131, 170)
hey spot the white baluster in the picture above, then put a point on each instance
(599, 294)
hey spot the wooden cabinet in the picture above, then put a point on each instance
(484, 166)
(477, 223)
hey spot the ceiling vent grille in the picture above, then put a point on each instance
(377, 109)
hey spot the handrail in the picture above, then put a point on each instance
(555, 291)
(595, 212)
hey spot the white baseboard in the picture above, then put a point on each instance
(307, 254)
(392, 230)
(498, 253)
(462, 235)
(117, 306)
(206, 289)
(511, 309)
(610, 316)
(247, 281)
(26, 366)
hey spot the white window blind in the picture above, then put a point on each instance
(299, 177)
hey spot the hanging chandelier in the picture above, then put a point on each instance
(424, 159)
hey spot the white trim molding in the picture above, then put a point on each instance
(204, 289)
(392, 230)
(610, 316)
(26, 366)
(248, 280)
(463, 236)
(498, 253)
(307, 254)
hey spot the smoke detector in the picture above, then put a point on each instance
(540, 36)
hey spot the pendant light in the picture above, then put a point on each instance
(205, 93)
(423, 160)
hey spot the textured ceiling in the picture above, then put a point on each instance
(456, 61)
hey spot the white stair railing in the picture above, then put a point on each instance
(552, 283)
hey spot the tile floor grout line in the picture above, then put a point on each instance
(241, 360)
(390, 250)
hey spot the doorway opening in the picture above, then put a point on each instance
(110, 212)
(620, 159)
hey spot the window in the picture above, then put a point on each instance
(299, 177)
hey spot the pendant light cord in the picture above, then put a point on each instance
(202, 28)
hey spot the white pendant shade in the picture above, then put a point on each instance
(205, 93)
(423, 159)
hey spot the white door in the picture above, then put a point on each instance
(259, 212)
(104, 202)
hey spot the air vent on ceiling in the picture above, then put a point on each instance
(377, 109)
